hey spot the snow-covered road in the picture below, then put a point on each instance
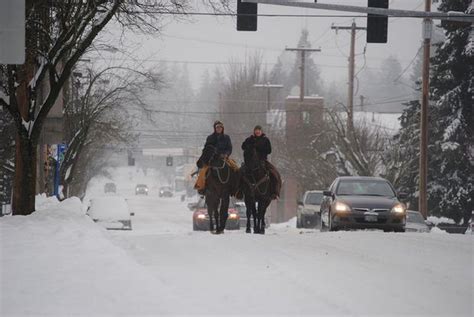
(290, 271)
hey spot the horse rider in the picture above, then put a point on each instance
(263, 148)
(223, 145)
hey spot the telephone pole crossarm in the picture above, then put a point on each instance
(303, 51)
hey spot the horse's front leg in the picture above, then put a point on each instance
(256, 228)
(223, 214)
(211, 212)
(248, 211)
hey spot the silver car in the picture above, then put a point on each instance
(308, 209)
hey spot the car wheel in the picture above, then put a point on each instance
(298, 222)
(195, 228)
(399, 229)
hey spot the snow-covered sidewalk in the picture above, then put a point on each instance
(57, 262)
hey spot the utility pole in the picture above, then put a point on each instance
(350, 95)
(422, 198)
(303, 51)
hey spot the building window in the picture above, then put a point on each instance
(305, 117)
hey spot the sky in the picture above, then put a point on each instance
(207, 42)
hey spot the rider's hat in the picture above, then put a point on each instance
(257, 127)
(217, 122)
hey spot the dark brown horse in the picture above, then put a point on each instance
(256, 185)
(221, 182)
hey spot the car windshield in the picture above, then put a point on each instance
(415, 217)
(362, 187)
(141, 186)
(313, 199)
(242, 210)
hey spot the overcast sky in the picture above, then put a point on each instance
(206, 42)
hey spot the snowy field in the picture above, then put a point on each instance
(57, 262)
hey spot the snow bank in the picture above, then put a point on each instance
(437, 230)
(44, 202)
(57, 262)
(437, 220)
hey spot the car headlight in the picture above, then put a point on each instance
(398, 209)
(146, 189)
(341, 207)
(201, 216)
(232, 216)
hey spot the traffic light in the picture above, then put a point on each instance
(246, 16)
(377, 25)
(169, 161)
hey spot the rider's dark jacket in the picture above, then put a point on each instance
(221, 141)
(262, 145)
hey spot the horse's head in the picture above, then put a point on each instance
(208, 153)
(250, 156)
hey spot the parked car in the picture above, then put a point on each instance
(201, 217)
(307, 213)
(110, 188)
(354, 202)
(141, 189)
(242, 209)
(416, 222)
(111, 212)
(165, 191)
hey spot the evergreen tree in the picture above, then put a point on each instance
(312, 75)
(452, 85)
(451, 143)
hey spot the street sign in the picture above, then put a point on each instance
(12, 31)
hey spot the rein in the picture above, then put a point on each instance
(218, 172)
(256, 186)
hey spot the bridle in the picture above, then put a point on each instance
(255, 185)
(218, 169)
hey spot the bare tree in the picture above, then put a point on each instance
(58, 34)
(359, 151)
(100, 112)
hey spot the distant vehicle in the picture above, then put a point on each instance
(307, 214)
(141, 189)
(165, 191)
(110, 188)
(416, 222)
(362, 203)
(111, 212)
(240, 206)
(201, 217)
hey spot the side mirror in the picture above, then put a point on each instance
(300, 203)
(327, 193)
(402, 195)
(192, 206)
(132, 213)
